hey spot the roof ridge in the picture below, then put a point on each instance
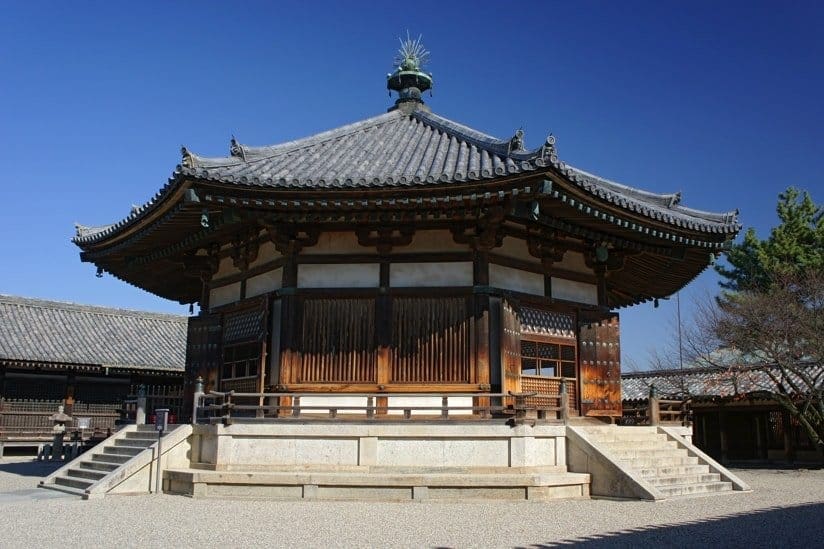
(33, 302)
(245, 154)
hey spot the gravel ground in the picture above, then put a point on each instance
(785, 509)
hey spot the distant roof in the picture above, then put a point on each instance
(401, 149)
(705, 382)
(38, 331)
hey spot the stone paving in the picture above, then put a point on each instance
(786, 509)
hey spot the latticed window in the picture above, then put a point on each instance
(241, 360)
(547, 359)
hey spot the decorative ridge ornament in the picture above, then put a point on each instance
(408, 79)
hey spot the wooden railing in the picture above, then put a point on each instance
(657, 411)
(227, 407)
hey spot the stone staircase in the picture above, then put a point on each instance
(106, 457)
(122, 460)
(658, 463)
(659, 460)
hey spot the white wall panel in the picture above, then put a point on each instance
(516, 280)
(406, 275)
(347, 275)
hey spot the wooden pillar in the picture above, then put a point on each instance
(789, 447)
(722, 432)
(2, 381)
(383, 321)
(71, 383)
(291, 323)
(601, 275)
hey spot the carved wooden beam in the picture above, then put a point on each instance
(385, 238)
(487, 233)
(545, 246)
(288, 240)
(245, 248)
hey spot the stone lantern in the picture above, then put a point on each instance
(60, 419)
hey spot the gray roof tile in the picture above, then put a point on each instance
(35, 330)
(704, 382)
(398, 149)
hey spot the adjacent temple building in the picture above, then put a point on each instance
(406, 253)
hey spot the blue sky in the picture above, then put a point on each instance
(720, 100)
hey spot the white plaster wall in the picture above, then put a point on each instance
(349, 275)
(266, 253)
(574, 261)
(403, 275)
(572, 290)
(516, 280)
(226, 268)
(431, 241)
(263, 283)
(331, 402)
(224, 294)
(416, 401)
(336, 243)
(515, 248)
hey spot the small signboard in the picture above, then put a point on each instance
(161, 419)
(83, 422)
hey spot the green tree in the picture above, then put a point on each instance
(796, 245)
(772, 310)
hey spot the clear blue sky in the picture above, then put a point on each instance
(721, 100)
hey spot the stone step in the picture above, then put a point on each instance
(114, 459)
(673, 470)
(99, 466)
(134, 442)
(86, 473)
(624, 435)
(638, 444)
(647, 453)
(683, 479)
(141, 435)
(695, 489)
(122, 450)
(64, 489)
(77, 483)
(659, 462)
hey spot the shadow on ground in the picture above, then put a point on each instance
(31, 468)
(794, 526)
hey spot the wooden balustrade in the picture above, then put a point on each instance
(230, 406)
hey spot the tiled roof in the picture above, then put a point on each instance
(399, 149)
(35, 330)
(705, 382)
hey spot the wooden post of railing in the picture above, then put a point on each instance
(444, 407)
(523, 414)
(296, 406)
(227, 408)
(564, 402)
(654, 408)
(370, 407)
(196, 399)
(686, 420)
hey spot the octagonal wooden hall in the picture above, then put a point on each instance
(406, 253)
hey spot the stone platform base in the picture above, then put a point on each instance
(437, 460)
(377, 485)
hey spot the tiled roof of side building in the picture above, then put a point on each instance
(36, 330)
(417, 149)
(707, 382)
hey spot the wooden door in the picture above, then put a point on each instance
(510, 348)
(203, 355)
(600, 356)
